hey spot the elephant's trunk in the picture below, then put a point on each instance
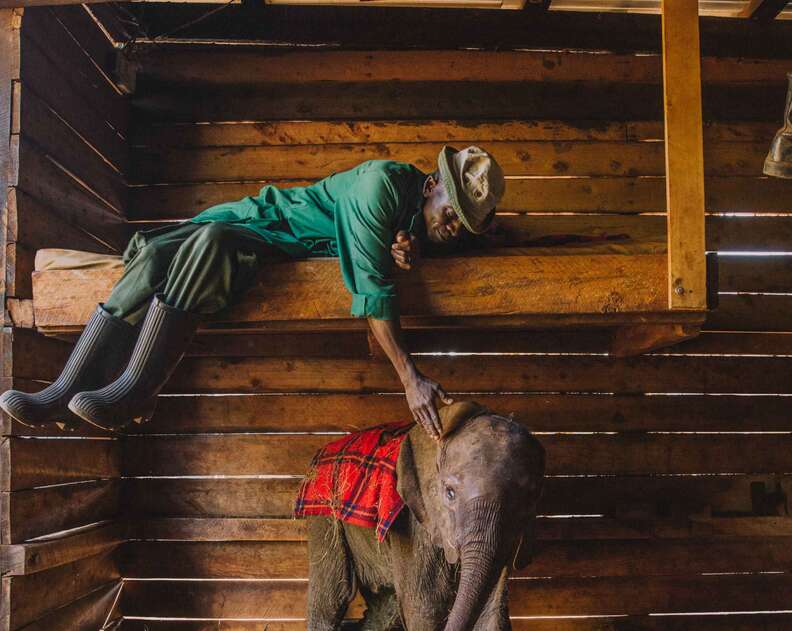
(479, 564)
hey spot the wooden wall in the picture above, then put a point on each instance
(66, 188)
(667, 472)
(668, 481)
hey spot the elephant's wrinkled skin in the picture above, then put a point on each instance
(444, 563)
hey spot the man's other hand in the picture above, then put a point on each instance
(421, 393)
(405, 251)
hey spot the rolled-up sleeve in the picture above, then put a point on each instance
(364, 219)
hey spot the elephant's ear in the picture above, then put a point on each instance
(454, 415)
(408, 479)
(525, 550)
(416, 471)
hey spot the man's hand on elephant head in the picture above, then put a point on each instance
(405, 250)
(421, 393)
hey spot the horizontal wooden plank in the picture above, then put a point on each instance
(30, 558)
(678, 622)
(632, 497)
(429, 29)
(529, 158)
(42, 27)
(653, 373)
(28, 598)
(213, 344)
(547, 529)
(751, 312)
(567, 454)
(308, 132)
(606, 194)
(755, 273)
(757, 233)
(29, 462)
(183, 65)
(484, 286)
(36, 512)
(289, 560)
(414, 100)
(41, 124)
(551, 597)
(570, 412)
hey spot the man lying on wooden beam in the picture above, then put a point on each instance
(368, 216)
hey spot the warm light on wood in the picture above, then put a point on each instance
(687, 279)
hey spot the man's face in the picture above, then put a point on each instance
(443, 225)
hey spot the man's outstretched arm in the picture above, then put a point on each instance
(419, 390)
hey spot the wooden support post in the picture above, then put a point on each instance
(684, 155)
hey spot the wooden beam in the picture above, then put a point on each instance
(687, 278)
(764, 10)
(606, 286)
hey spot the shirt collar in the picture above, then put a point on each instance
(415, 219)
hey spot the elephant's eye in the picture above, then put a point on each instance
(450, 493)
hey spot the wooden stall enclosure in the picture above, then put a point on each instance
(668, 472)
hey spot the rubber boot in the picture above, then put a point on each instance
(165, 336)
(99, 356)
(779, 159)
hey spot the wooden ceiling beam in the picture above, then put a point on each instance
(763, 10)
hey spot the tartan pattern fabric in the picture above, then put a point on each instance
(354, 479)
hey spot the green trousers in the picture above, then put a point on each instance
(198, 267)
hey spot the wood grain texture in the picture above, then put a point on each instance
(471, 100)
(652, 373)
(530, 158)
(553, 558)
(605, 194)
(687, 278)
(588, 529)
(310, 132)
(491, 286)
(37, 512)
(85, 614)
(42, 26)
(42, 125)
(685, 622)
(233, 66)
(44, 179)
(544, 412)
(37, 462)
(624, 454)
(551, 597)
(28, 598)
(30, 558)
(631, 497)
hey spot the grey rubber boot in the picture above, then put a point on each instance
(165, 336)
(779, 159)
(99, 356)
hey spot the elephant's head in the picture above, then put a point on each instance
(475, 492)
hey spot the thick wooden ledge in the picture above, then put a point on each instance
(496, 291)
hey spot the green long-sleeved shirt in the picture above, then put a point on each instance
(352, 214)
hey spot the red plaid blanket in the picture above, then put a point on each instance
(354, 479)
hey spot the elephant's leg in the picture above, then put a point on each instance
(495, 615)
(423, 581)
(331, 582)
(382, 611)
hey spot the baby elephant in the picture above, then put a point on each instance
(470, 507)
